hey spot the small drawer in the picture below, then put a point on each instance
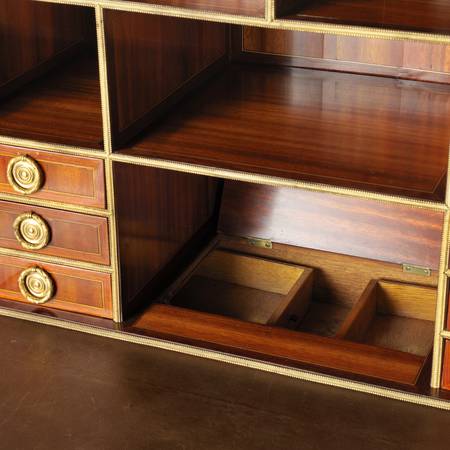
(52, 232)
(247, 288)
(54, 286)
(51, 176)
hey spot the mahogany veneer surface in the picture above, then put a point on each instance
(67, 179)
(355, 131)
(66, 228)
(239, 7)
(446, 368)
(61, 107)
(76, 290)
(416, 15)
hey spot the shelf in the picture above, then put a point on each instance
(252, 8)
(430, 16)
(364, 132)
(61, 107)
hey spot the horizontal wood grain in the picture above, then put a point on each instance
(401, 59)
(68, 179)
(351, 226)
(74, 236)
(77, 290)
(353, 131)
(62, 107)
(151, 59)
(415, 15)
(253, 8)
(278, 344)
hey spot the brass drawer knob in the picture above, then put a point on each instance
(32, 231)
(36, 285)
(25, 175)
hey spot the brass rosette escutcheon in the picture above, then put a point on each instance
(36, 285)
(32, 231)
(25, 175)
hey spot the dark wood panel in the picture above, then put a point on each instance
(352, 226)
(77, 290)
(254, 8)
(158, 212)
(415, 15)
(68, 179)
(150, 58)
(446, 368)
(63, 107)
(32, 34)
(74, 236)
(401, 59)
(278, 345)
(354, 131)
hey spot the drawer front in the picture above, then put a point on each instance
(52, 232)
(55, 286)
(51, 176)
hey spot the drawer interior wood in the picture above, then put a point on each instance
(247, 288)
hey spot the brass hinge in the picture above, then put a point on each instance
(258, 242)
(417, 270)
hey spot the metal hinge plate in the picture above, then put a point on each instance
(417, 270)
(258, 242)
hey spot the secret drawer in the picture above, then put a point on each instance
(54, 286)
(52, 176)
(53, 232)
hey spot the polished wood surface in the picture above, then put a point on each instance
(158, 212)
(77, 290)
(150, 58)
(351, 226)
(74, 236)
(416, 15)
(68, 179)
(401, 59)
(254, 8)
(76, 383)
(34, 34)
(446, 367)
(62, 107)
(353, 131)
(278, 344)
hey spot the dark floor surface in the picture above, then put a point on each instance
(65, 390)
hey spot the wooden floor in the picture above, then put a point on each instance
(62, 389)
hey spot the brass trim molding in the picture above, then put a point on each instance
(36, 285)
(445, 334)
(268, 21)
(274, 181)
(230, 359)
(31, 231)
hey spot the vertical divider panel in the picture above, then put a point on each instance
(109, 178)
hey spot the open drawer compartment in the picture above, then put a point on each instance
(254, 270)
(247, 288)
(393, 315)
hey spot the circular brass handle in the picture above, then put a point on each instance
(36, 285)
(32, 231)
(25, 175)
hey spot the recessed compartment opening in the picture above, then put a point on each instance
(49, 78)
(306, 106)
(255, 272)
